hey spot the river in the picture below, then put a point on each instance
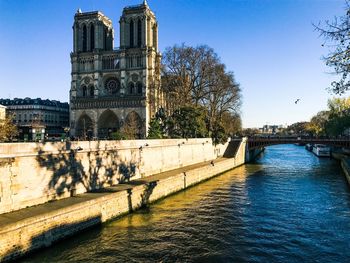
(288, 206)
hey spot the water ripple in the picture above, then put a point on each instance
(289, 206)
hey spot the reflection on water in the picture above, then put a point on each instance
(289, 206)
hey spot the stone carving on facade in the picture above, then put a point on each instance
(101, 74)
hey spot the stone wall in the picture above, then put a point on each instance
(345, 164)
(35, 173)
(18, 238)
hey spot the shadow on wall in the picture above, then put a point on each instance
(145, 195)
(232, 149)
(71, 168)
(76, 171)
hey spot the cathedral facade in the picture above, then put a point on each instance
(114, 89)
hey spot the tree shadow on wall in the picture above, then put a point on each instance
(145, 196)
(75, 170)
(126, 171)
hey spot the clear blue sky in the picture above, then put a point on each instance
(270, 45)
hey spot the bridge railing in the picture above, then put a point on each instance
(255, 142)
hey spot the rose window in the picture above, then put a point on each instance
(112, 86)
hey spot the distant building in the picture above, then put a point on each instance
(37, 119)
(2, 112)
(271, 129)
(113, 88)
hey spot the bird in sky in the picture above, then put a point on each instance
(296, 102)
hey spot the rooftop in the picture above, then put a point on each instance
(37, 101)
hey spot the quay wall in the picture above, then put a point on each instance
(40, 231)
(251, 155)
(345, 164)
(35, 173)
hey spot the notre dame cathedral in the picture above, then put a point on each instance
(114, 88)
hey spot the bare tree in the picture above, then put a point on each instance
(223, 95)
(132, 127)
(184, 72)
(195, 77)
(336, 34)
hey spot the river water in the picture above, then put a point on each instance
(288, 206)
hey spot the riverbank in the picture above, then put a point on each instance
(257, 212)
(344, 162)
(39, 226)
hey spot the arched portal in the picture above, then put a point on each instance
(107, 124)
(133, 126)
(85, 127)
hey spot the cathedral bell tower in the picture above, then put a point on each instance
(139, 43)
(138, 28)
(114, 89)
(92, 31)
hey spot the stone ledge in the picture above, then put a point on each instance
(40, 226)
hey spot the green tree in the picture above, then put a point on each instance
(188, 122)
(250, 131)
(231, 123)
(219, 135)
(155, 130)
(317, 124)
(338, 124)
(8, 130)
(117, 136)
(298, 128)
(339, 116)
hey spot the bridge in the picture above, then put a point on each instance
(259, 142)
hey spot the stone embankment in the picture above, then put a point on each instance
(344, 162)
(39, 226)
(35, 173)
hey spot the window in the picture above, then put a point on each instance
(84, 38)
(131, 88)
(112, 85)
(91, 91)
(131, 25)
(139, 87)
(139, 37)
(84, 91)
(92, 37)
(154, 37)
(105, 38)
